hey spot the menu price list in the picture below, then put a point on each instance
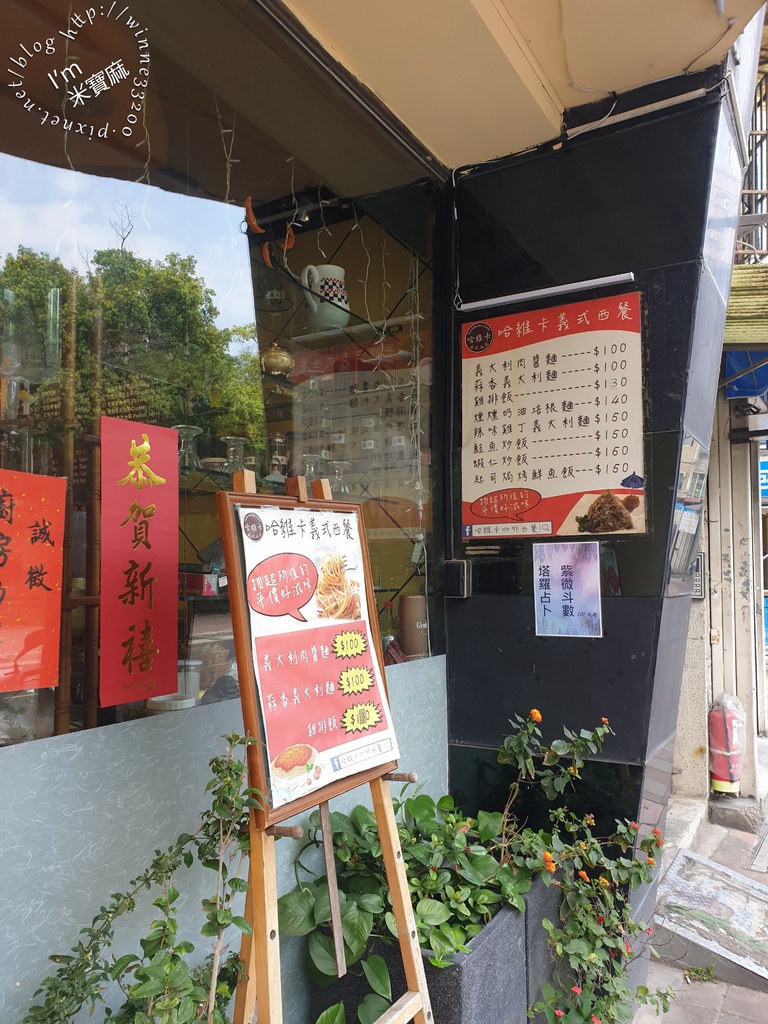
(552, 411)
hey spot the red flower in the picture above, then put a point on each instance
(649, 931)
(576, 989)
(559, 1013)
(596, 1020)
(535, 715)
(634, 825)
(627, 947)
(601, 920)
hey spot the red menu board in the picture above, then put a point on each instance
(320, 687)
(139, 561)
(552, 421)
(31, 537)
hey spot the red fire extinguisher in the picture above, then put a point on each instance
(726, 744)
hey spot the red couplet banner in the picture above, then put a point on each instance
(31, 537)
(139, 561)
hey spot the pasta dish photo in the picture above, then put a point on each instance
(337, 596)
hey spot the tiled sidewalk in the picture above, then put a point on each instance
(714, 1002)
(703, 1002)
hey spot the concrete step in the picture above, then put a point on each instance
(708, 914)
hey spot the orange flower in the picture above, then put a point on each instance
(535, 715)
(604, 721)
(549, 863)
(651, 862)
(583, 876)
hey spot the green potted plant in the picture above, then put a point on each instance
(470, 881)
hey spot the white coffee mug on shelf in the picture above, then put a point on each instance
(326, 295)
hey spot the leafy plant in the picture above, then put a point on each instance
(159, 986)
(592, 941)
(461, 871)
(456, 885)
(699, 973)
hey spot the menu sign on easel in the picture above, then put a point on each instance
(552, 421)
(322, 701)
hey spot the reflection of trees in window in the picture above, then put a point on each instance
(164, 359)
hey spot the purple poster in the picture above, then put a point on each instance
(566, 588)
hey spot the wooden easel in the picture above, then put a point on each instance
(261, 951)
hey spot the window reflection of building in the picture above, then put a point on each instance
(689, 513)
(140, 295)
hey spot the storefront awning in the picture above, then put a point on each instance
(746, 373)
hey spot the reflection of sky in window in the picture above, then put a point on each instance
(67, 214)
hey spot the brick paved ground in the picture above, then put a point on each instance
(704, 1002)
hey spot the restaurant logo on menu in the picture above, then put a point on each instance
(88, 77)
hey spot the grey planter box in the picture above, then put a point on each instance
(541, 902)
(496, 980)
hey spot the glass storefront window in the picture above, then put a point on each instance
(202, 231)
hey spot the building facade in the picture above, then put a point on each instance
(174, 181)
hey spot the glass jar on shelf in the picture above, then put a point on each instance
(278, 451)
(387, 625)
(188, 457)
(339, 487)
(310, 467)
(235, 454)
(278, 460)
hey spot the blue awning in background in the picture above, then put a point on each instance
(752, 382)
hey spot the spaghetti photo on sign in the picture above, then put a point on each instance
(337, 596)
